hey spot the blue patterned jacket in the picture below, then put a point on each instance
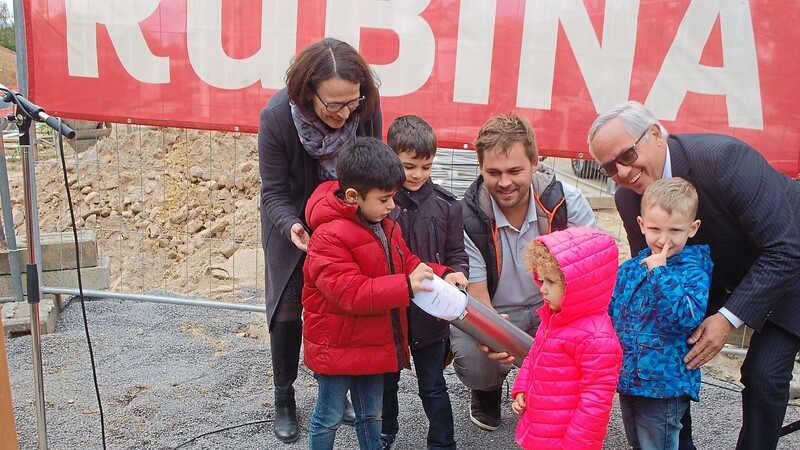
(654, 312)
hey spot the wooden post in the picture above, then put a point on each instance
(8, 427)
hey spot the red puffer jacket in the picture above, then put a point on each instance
(354, 298)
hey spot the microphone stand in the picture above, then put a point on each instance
(27, 112)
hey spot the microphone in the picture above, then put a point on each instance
(36, 112)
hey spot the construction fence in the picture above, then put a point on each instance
(172, 215)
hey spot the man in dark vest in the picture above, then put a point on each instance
(512, 201)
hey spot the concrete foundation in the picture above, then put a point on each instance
(58, 252)
(59, 269)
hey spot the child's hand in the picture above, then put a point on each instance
(457, 279)
(519, 403)
(658, 259)
(421, 272)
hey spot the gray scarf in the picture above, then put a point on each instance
(320, 142)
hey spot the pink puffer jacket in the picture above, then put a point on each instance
(570, 375)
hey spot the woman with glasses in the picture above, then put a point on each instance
(331, 96)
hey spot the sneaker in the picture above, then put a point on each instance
(388, 441)
(484, 408)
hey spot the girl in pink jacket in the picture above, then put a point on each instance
(565, 387)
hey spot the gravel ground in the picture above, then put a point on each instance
(189, 377)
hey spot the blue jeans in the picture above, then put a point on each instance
(686, 441)
(429, 365)
(652, 423)
(366, 392)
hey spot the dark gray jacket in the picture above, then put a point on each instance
(288, 177)
(432, 226)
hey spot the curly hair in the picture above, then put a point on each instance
(537, 256)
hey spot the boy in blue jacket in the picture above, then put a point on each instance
(660, 298)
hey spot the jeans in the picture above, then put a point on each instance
(429, 366)
(652, 423)
(366, 391)
(686, 441)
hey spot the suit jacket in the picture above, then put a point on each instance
(750, 217)
(289, 176)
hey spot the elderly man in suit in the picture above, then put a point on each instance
(751, 220)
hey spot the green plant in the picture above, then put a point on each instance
(7, 39)
(7, 28)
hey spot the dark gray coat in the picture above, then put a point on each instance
(433, 228)
(288, 177)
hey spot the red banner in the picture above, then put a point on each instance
(717, 66)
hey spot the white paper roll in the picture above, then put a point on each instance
(445, 301)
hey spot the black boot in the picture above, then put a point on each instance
(285, 339)
(285, 422)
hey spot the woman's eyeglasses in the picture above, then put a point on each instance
(626, 158)
(335, 107)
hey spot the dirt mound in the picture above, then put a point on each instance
(172, 208)
(8, 68)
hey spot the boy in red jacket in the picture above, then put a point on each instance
(359, 278)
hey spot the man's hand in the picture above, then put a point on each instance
(519, 403)
(501, 357)
(658, 259)
(299, 236)
(708, 340)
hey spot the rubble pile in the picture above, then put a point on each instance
(173, 208)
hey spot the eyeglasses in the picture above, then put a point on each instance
(335, 107)
(626, 158)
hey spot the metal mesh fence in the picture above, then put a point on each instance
(172, 209)
(176, 210)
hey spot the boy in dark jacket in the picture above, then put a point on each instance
(359, 276)
(432, 224)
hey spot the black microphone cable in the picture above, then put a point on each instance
(220, 430)
(80, 285)
(301, 367)
(35, 114)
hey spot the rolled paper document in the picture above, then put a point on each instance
(445, 301)
(468, 314)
